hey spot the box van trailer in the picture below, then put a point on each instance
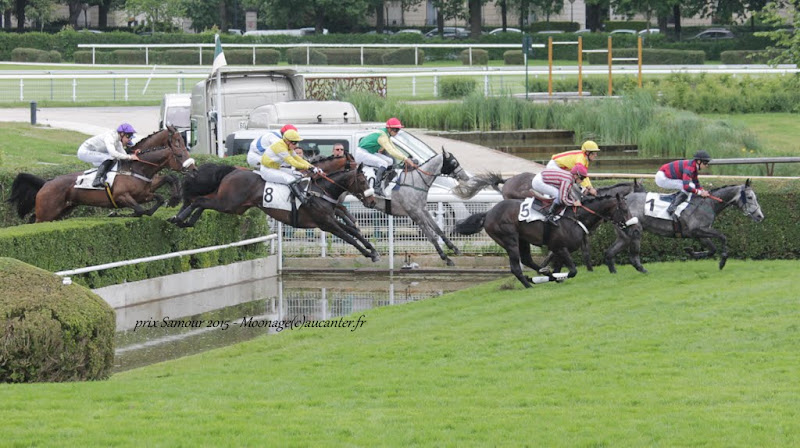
(240, 91)
(176, 110)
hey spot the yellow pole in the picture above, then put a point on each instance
(640, 62)
(580, 66)
(610, 89)
(550, 66)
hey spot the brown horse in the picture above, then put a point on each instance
(135, 184)
(231, 190)
(503, 226)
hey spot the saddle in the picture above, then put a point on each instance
(84, 181)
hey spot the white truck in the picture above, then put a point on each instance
(240, 91)
(176, 111)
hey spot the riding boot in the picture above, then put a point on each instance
(555, 208)
(680, 197)
(102, 170)
(379, 173)
(390, 174)
(298, 191)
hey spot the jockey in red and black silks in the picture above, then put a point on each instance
(682, 175)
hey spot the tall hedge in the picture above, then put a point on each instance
(650, 56)
(50, 331)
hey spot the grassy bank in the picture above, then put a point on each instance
(23, 145)
(686, 355)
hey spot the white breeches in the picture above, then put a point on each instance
(553, 164)
(254, 159)
(93, 157)
(670, 184)
(373, 160)
(539, 185)
(281, 176)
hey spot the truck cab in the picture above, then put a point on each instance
(176, 111)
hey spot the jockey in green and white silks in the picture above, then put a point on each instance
(370, 148)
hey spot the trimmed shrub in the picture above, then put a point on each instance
(34, 55)
(403, 56)
(50, 331)
(264, 56)
(479, 56)
(457, 87)
(100, 57)
(747, 56)
(299, 56)
(132, 57)
(181, 57)
(513, 57)
(567, 27)
(650, 56)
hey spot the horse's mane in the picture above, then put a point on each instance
(591, 199)
(142, 141)
(621, 184)
(321, 158)
(723, 187)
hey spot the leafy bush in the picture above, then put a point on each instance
(180, 57)
(131, 57)
(34, 55)
(479, 56)
(299, 56)
(457, 87)
(747, 56)
(650, 56)
(264, 56)
(50, 331)
(513, 57)
(100, 57)
(403, 56)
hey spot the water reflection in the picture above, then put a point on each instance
(166, 329)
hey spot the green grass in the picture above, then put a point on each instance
(685, 355)
(23, 145)
(778, 132)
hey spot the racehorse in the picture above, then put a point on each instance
(519, 187)
(235, 191)
(515, 236)
(409, 197)
(696, 220)
(136, 182)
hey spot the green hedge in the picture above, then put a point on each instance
(49, 331)
(34, 55)
(650, 56)
(479, 56)
(777, 237)
(299, 56)
(403, 56)
(133, 57)
(513, 57)
(747, 56)
(457, 87)
(78, 242)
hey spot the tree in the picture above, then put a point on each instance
(40, 11)
(787, 42)
(19, 11)
(447, 10)
(156, 11)
(475, 17)
(547, 8)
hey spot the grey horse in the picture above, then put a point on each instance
(696, 220)
(410, 197)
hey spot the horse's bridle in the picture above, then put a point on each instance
(622, 225)
(188, 162)
(361, 196)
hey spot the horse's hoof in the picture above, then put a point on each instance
(642, 270)
(375, 258)
(456, 251)
(722, 263)
(173, 220)
(450, 262)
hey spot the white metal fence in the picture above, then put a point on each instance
(390, 234)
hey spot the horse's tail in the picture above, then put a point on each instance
(471, 225)
(205, 181)
(23, 192)
(470, 188)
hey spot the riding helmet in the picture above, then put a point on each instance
(292, 136)
(394, 123)
(579, 169)
(126, 128)
(702, 156)
(589, 145)
(286, 128)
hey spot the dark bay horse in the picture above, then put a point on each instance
(519, 187)
(237, 190)
(503, 226)
(696, 220)
(136, 182)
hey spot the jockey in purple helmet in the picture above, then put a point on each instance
(105, 149)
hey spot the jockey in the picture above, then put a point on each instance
(259, 145)
(557, 184)
(567, 160)
(682, 175)
(283, 151)
(373, 149)
(105, 149)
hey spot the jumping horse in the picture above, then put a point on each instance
(136, 182)
(234, 191)
(515, 236)
(519, 187)
(696, 220)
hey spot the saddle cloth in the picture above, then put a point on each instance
(85, 180)
(279, 196)
(369, 173)
(656, 204)
(531, 210)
